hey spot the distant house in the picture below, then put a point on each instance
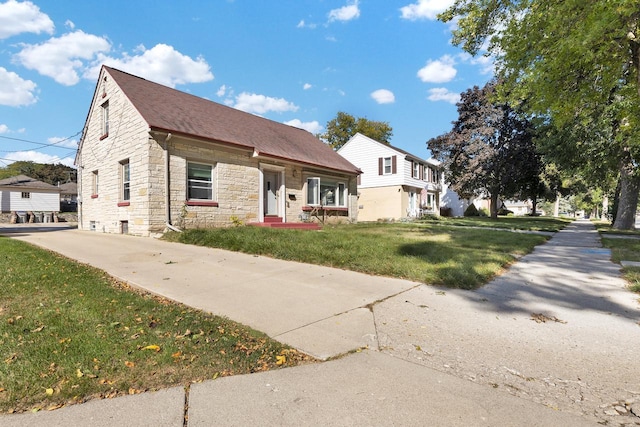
(27, 196)
(68, 197)
(394, 184)
(153, 158)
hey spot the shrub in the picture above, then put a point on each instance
(483, 212)
(504, 211)
(471, 210)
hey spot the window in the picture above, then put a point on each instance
(105, 119)
(94, 184)
(416, 169)
(326, 192)
(126, 180)
(387, 165)
(199, 181)
(26, 195)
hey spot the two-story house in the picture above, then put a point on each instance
(394, 184)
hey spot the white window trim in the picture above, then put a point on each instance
(214, 192)
(384, 165)
(318, 194)
(125, 183)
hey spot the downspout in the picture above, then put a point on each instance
(167, 186)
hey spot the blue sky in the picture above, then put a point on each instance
(293, 61)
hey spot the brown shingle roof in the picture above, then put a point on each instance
(26, 183)
(170, 110)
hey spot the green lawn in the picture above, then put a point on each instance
(69, 332)
(625, 250)
(432, 253)
(539, 223)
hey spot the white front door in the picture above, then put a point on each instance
(270, 193)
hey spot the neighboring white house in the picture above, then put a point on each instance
(22, 194)
(394, 184)
(153, 158)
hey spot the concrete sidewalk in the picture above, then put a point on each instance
(430, 349)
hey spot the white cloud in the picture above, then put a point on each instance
(306, 86)
(345, 13)
(4, 128)
(443, 94)
(223, 89)
(383, 96)
(37, 157)
(303, 24)
(14, 90)
(439, 71)
(314, 127)
(161, 64)
(260, 104)
(425, 9)
(63, 142)
(62, 58)
(69, 24)
(25, 17)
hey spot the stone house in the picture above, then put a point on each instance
(394, 184)
(152, 158)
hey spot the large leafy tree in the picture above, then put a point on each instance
(45, 172)
(567, 60)
(344, 126)
(490, 149)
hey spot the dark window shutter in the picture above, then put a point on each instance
(394, 165)
(380, 165)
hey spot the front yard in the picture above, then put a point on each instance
(433, 252)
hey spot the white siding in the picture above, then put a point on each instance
(13, 201)
(364, 152)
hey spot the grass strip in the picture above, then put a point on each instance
(69, 333)
(456, 257)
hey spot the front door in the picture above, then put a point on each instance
(270, 193)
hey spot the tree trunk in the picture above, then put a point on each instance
(628, 200)
(534, 205)
(493, 207)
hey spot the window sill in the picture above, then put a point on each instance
(325, 208)
(121, 204)
(201, 203)
(104, 136)
(94, 196)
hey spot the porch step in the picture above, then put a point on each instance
(272, 219)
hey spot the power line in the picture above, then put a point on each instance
(42, 145)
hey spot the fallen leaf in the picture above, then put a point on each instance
(281, 360)
(176, 354)
(79, 373)
(38, 329)
(129, 364)
(153, 347)
(49, 392)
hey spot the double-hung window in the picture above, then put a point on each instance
(126, 180)
(416, 170)
(94, 184)
(326, 192)
(105, 119)
(387, 166)
(200, 182)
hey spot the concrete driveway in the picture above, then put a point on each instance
(554, 341)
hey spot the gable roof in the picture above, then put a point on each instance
(69, 188)
(169, 110)
(398, 150)
(26, 183)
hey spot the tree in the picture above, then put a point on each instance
(490, 149)
(49, 173)
(344, 126)
(566, 59)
